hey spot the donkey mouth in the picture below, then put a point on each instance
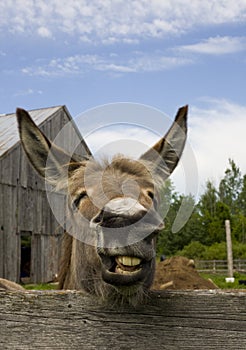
(127, 265)
(124, 270)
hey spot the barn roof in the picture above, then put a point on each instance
(9, 135)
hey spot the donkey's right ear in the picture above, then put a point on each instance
(48, 159)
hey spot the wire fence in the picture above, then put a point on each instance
(220, 266)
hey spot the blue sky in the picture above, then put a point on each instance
(160, 53)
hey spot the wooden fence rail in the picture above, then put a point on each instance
(220, 266)
(169, 320)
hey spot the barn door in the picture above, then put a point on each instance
(25, 256)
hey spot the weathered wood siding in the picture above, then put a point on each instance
(206, 320)
(24, 207)
(9, 254)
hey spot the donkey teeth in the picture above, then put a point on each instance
(128, 260)
(125, 272)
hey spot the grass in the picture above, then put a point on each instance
(41, 286)
(220, 281)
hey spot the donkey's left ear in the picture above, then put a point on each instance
(165, 154)
(39, 149)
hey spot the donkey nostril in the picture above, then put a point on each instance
(97, 220)
(119, 212)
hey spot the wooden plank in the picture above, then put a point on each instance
(48, 262)
(26, 209)
(15, 165)
(171, 320)
(52, 258)
(9, 167)
(10, 238)
(1, 230)
(36, 258)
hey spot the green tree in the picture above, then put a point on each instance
(208, 201)
(242, 197)
(206, 225)
(239, 250)
(194, 250)
(232, 191)
(230, 187)
(216, 251)
(213, 214)
(216, 227)
(238, 226)
(169, 241)
(207, 210)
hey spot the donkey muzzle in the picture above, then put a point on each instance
(124, 221)
(118, 211)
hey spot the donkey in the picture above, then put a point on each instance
(113, 208)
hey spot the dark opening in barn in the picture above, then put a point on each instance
(26, 251)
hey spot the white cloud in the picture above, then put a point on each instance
(217, 133)
(113, 21)
(28, 92)
(217, 45)
(76, 64)
(157, 62)
(129, 140)
(44, 32)
(79, 64)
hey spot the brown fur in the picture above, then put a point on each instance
(80, 266)
(9, 285)
(93, 189)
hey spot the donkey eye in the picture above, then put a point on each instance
(77, 200)
(151, 194)
(153, 198)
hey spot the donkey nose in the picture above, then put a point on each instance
(119, 212)
(124, 206)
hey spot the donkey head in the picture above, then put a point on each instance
(113, 208)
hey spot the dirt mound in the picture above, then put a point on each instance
(179, 273)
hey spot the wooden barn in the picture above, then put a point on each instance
(30, 236)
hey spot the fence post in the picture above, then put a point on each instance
(229, 248)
